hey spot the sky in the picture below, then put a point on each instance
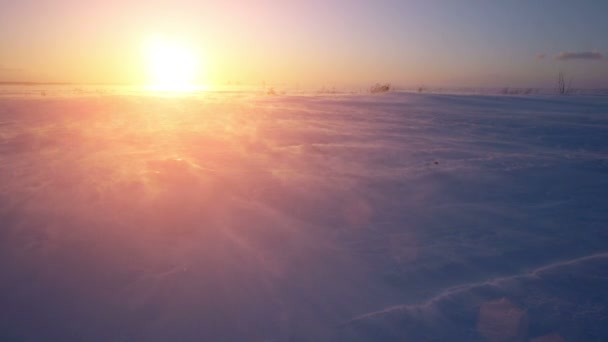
(435, 43)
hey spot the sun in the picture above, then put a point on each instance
(171, 65)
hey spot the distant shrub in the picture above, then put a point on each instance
(518, 91)
(273, 92)
(562, 87)
(324, 90)
(511, 91)
(380, 88)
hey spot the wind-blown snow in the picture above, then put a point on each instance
(235, 216)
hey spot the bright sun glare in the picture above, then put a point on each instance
(172, 65)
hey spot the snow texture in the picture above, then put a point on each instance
(237, 216)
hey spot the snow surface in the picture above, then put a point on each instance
(235, 216)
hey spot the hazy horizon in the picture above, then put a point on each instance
(341, 43)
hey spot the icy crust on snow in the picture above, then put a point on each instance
(567, 296)
(245, 217)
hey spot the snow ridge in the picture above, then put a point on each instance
(465, 287)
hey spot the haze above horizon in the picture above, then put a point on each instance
(436, 43)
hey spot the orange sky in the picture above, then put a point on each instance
(436, 43)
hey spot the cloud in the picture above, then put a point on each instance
(6, 68)
(9, 73)
(541, 55)
(586, 55)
